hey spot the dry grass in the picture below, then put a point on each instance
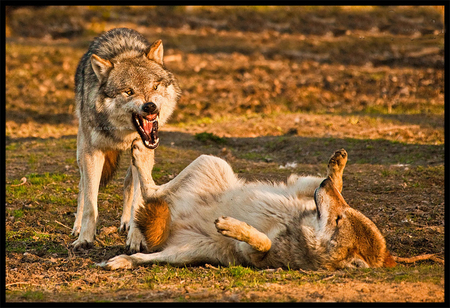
(262, 87)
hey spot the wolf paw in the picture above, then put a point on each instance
(228, 226)
(80, 245)
(338, 160)
(118, 262)
(336, 166)
(124, 223)
(137, 148)
(135, 241)
(124, 227)
(76, 230)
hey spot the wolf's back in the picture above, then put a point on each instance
(118, 41)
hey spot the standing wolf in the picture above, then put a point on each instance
(122, 92)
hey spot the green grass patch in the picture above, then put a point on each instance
(205, 137)
(12, 146)
(33, 296)
(32, 241)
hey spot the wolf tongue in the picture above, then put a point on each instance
(148, 127)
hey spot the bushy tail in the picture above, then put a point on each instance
(109, 167)
(153, 220)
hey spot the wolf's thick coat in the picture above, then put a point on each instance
(123, 92)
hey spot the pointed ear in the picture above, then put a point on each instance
(101, 67)
(156, 52)
(326, 195)
(388, 260)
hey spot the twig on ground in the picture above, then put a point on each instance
(329, 277)
(210, 266)
(22, 182)
(100, 241)
(24, 282)
(59, 223)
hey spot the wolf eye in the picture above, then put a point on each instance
(155, 87)
(338, 218)
(129, 92)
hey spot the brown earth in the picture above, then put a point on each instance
(263, 87)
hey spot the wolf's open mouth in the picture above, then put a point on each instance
(147, 127)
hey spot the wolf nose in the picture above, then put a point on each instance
(149, 108)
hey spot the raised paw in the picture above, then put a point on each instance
(138, 151)
(118, 262)
(137, 146)
(338, 160)
(336, 166)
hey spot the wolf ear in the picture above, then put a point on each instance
(101, 67)
(156, 52)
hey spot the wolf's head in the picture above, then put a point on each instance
(349, 238)
(134, 87)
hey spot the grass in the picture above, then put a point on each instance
(33, 296)
(260, 86)
(35, 242)
(37, 187)
(205, 137)
(204, 284)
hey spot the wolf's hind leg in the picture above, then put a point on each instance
(243, 232)
(78, 216)
(127, 200)
(336, 166)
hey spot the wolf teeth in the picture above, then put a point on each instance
(145, 120)
(149, 144)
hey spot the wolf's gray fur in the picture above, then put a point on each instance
(217, 218)
(122, 92)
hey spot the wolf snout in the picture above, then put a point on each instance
(149, 108)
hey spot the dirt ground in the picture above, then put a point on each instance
(274, 91)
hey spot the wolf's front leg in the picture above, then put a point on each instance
(143, 187)
(91, 166)
(243, 232)
(129, 262)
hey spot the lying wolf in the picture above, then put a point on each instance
(122, 92)
(207, 215)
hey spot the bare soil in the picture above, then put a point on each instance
(274, 91)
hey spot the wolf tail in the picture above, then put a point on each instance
(153, 220)
(109, 167)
